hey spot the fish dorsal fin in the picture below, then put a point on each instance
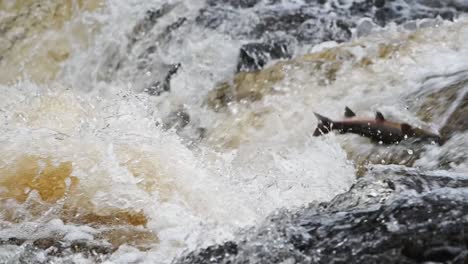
(348, 112)
(406, 129)
(379, 117)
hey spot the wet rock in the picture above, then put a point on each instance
(364, 27)
(46, 243)
(262, 22)
(44, 250)
(312, 22)
(111, 63)
(180, 121)
(367, 154)
(444, 104)
(12, 241)
(254, 56)
(214, 17)
(90, 249)
(442, 253)
(234, 3)
(220, 96)
(284, 21)
(253, 86)
(140, 238)
(300, 22)
(213, 254)
(248, 86)
(385, 15)
(379, 3)
(139, 60)
(169, 30)
(143, 27)
(304, 26)
(436, 103)
(57, 247)
(387, 182)
(153, 76)
(359, 7)
(426, 225)
(458, 119)
(160, 86)
(177, 119)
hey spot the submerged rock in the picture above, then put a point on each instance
(458, 119)
(317, 21)
(389, 216)
(249, 86)
(139, 58)
(253, 86)
(45, 250)
(144, 26)
(234, 3)
(177, 119)
(160, 86)
(313, 22)
(446, 106)
(254, 56)
(367, 154)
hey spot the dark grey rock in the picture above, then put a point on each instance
(274, 16)
(444, 104)
(145, 25)
(422, 219)
(364, 27)
(177, 119)
(379, 3)
(139, 59)
(458, 119)
(160, 86)
(48, 249)
(234, 3)
(254, 56)
(314, 21)
(12, 241)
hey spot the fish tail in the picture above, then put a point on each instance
(324, 126)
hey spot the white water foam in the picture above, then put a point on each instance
(204, 194)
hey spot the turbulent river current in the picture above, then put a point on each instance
(182, 131)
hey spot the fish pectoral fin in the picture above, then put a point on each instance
(379, 116)
(348, 112)
(406, 129)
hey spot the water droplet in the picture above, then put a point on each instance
(410, 151)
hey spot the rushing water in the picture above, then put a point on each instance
(88, 155)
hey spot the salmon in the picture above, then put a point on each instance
(377, 129)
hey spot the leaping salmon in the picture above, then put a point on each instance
(378, 130)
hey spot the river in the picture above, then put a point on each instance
(131, 132)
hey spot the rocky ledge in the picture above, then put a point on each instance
(273, 23)
(392, 215)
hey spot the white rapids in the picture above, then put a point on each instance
(100, 137)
